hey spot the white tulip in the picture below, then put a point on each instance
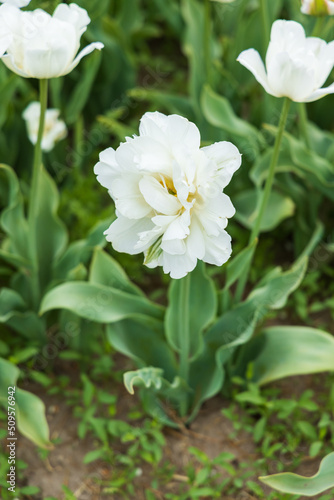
(317, 7)
(168, 194)
(54, 129)
(44, 46)
(296, 66)
(16, 3)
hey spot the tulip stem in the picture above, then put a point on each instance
(303, 124)
(265, 23)
(184, 338)
(266, 194)
(35, 191)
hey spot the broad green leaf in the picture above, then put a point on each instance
(12, 218)
(145, 345)
(51, 232)
(280, 207)
(30, 410)
(193, 297)
(106, 271)
(14, 313)
(236, 326)
(99, 303)
(237, 265)
(219, 112)
(193, 15)
(300, 485)
(282, 351)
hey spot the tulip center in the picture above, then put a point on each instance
(168, 184)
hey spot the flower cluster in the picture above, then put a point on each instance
(168, 194)
(296, 66)
(34, 44)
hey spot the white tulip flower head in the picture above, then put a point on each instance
(16, 3)
(296, 66)
(43, 46)
(54, 129)
(317, 7)
(169, 195)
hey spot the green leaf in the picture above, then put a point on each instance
(237, 265)
(300, 485)
(236, 326)
(14, 313)
(145, 345)
(219, 112)
(282, 351)
(12, 218)
(106, 271)
(99, 303)
(201, 304)
(280, 207)
(51, 232)
(30, 410)
(81, 92)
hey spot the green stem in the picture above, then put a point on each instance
(34, 191)
(207, 38)
(318, 27)
(266, 193)
(265, 23)
(185, 337)
(303, 124)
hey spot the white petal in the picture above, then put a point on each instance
(87, 50)
(107, 168)
(178, 228)
(227, 159)
(181, 130)
(74, 15)
(251, 60)
(46, 63)
(218, 249)
(177, 265)
(158, 197)
(128, 198)
(124, 234)
(318, 94)
(173, 247)
(289, 79)
(8, 60)
(151, 156)
(196, 240)
(170, 130)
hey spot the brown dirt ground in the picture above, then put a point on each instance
(209, 432)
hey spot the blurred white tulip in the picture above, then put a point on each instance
(296, 66)
(317, 7)
(54, 129)
(43, 46)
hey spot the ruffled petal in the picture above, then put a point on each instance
(73, 14)
(157, 196)
(124, 234)
(227, 159)
(177, 266)
(217, 249)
